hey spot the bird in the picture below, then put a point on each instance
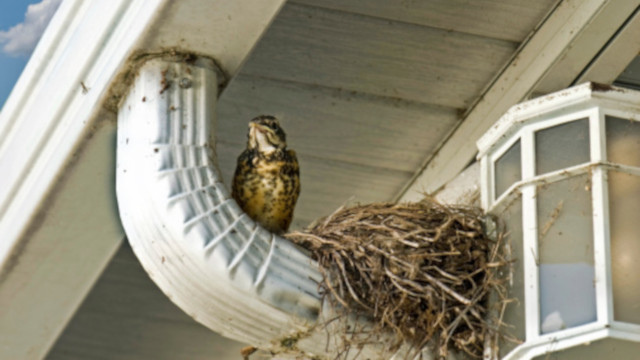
(266, 183)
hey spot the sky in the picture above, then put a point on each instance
(22, 23)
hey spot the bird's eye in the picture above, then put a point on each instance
(273, 126)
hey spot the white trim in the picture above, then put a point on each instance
(631, 331)
(48, 112)
(43, 155)
(551, 344)
(583, 337)
(486, 182)
(530, 238)
(539, 123)
(616, 56)
(528, 172)
(629, 113)
(559, 175)
(597, 138)
(578, 98)
(600, 208)
(570, 333)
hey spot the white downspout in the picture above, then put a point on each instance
(206, 255)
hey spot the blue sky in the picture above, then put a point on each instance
(21, 25)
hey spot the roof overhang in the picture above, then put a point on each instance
(60, 118)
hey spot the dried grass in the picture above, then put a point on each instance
(421, 271)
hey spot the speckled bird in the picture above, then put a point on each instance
(266, 183)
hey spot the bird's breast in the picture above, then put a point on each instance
(270, 190)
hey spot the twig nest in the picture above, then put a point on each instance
(421, 271)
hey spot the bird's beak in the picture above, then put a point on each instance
(257, 127)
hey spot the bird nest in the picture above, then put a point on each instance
(421, 271)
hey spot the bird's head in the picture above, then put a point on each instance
(266, 135)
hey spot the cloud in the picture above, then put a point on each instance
(21, 39)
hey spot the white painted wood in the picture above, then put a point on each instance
(337, 49)
(579, 53)
(57, 210)
(618, 54)
(48, 113)
(531, 257)
(540, 53)
(224, 30)
(507, 20)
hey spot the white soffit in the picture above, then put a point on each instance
(48, 127)
(554, 57)
(223, 30)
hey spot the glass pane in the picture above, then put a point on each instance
(624, 199)
(562, 146)
(514, 313)
(623, 141)
(602, 349)
(507, 169)
(565, 239)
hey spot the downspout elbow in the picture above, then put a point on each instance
(205, 254)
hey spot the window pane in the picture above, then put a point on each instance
(565, 239)
(514, 313)
(562, 146)
(623, 141)
(624, 199)
(507, 169)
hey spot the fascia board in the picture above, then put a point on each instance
(61, 90)
(58, 221)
